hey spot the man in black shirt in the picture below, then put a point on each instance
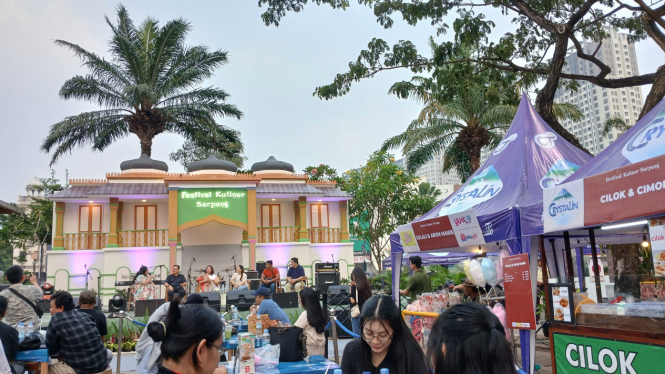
(8, 334)
(87, 301)
(175, 283)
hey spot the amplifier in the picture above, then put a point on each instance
(286, 299)
(252, 274)
(326, 267)
(212, 300)
(325, 280)
(147, 307)
(98, 304)
(241, 299)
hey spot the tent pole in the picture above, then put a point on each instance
(596, 269)
(543, 267)
(569, 258)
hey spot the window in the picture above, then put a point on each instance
(619, 65)
(90, 218)
(605, 102)
(623, 92)
(618, 58)
(624, 99)
(145, 217)
(318, 215)
(604, 94)
(597, 111)
(625, 107)
(610, 136)
(602, 146)
(632, 93)
(595, 105)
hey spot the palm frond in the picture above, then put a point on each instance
(457, 159)
(90, 89)
(614, 123)
(167, 45)
(421, 155)
(563, 111)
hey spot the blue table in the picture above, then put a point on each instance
(311, 365)
(231, 344)
(37, 355)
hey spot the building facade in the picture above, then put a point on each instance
(599, 103)
(211, 215)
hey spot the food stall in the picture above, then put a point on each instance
(614, 203)
(499, 206)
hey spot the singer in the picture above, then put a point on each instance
(175, 283)
(144, 288)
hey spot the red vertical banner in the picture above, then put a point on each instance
(520, 312)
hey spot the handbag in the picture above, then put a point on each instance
(355, 311)
(36, 308)
(292, 343)
(31, 342)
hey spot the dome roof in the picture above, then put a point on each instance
(272, 164)
(144, 162)
(212, 163)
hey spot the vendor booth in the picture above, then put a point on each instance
(613, 320)
(499, 206)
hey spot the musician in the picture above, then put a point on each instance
(239, 279)
(144, 288)
(209, 280)
(295, 276)
(175, 283)
(270, 277)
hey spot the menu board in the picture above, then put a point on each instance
(520, 312)
(561, 305)
(657, 239)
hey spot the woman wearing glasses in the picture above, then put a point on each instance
(385, 342)
(191, 339)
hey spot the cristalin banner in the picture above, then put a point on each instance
(632, 191)
(451, 231)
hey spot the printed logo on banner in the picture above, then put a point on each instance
(560, 170)
(545, 140)
(563, 206)
(504, 143)
(488, 229)
(408, 238)
(482, 187)
(463, 220)
(468, 237)
(648, 142)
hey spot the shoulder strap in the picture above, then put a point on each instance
(22, 297)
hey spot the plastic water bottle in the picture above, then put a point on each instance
(259, 325)
(384, 371)
(235, 315)
(21, 331)
(31, 328)
(265, 338)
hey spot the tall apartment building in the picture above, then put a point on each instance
(431, 173)
(598, 103)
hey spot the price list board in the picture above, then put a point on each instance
(520, 312)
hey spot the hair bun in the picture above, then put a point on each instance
(156, 331)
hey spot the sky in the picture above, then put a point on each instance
(271, 76)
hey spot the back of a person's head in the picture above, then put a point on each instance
(3, 305)
(403, 347)
(315, 316)
(417, 261)
(63, 299)
(362, 284)
(474, 340)
(14, 274)
(184, 327)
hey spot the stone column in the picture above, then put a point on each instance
(113, 231)
(302, 204)
(251, 226)
(343, 209)
(173, 224)
(58, 240)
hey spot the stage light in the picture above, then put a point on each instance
(144, 200)
(645, 243)
(480, 249)
(273, 199)
(91, 201)
(620, 225)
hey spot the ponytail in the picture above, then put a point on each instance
(158, 330)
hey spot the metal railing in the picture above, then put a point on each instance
(325, 235)
(143, 238)
(85, 240)
(277, 234)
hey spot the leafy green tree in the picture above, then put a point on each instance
(429, 191)
(534, 50)
(150, 85)
(225, 146)
(384, 196)
(324, 172)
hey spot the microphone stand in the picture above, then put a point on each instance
(189, 275)
(87, 274)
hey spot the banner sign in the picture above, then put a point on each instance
(577, 354)
(198, 203)
(657, 236)
(631, 191)
(520, 312)
(454, 230)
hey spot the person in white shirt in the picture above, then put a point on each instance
(313, 322)
(239, 279)
(209, 280)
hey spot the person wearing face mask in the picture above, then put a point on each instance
(469, 339)
(191, 338)
(385, 342)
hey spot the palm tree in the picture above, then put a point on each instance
(616, 123)
(475, 117)
(426, 189)
(150, 85)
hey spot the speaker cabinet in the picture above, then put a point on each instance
(343, 316)
(252, 274)
(325, 280)
(260, 267)
(254, 284)
(211, 299)
(338, 295)
(147, 307)
(286, 299)
(240, 299)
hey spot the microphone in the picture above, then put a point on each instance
(193, 259)
(234, 256)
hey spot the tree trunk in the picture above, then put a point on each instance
(656, 94)
(545, 98)
(146, 146)
(626, 268)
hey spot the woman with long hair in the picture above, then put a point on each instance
(144, 288)
(313, 321)
(360, 292)
(469, 339)
(385, 342)
(191, 338)
(209, 280)
(239, 279)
